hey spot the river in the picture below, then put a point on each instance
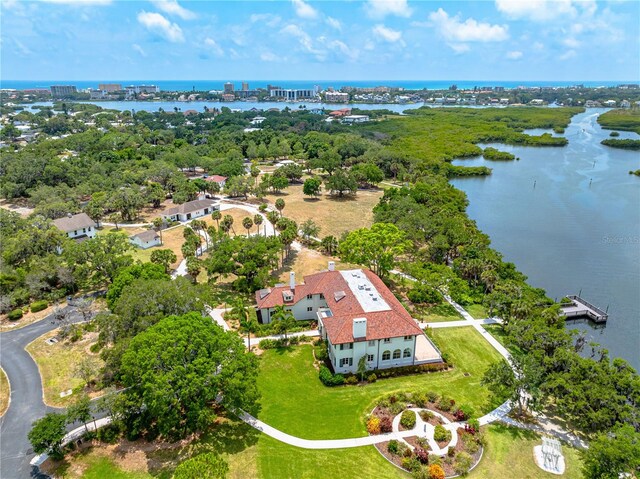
(577, 230)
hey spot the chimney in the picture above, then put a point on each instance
(292, 281)
(359, 328)
(332, 265)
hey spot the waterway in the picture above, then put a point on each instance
(569, 218)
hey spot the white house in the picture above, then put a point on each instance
(79, 227)
(357, 315)
(146, 239)
(189, 210)
(350, 119)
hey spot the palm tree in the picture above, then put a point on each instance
(157, 225)
(283, 320)
(229, 220)
(215, 216)
(194, 265)
(272, 216)
(247, 223)
(280, 205)
(257, 220)
(248, 323)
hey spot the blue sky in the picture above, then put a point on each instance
(304, 40)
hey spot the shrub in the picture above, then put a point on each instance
(386, 425)
(422, 442)
(463, 463)
(440, 434)
(432, 396)
(108, 434)
(397, 407)
(472, 426)
(411, 463)
(463, 412)
(321, 352)
(436, 472)
(420, 400)
(37, 306)
(351, 380)
(424, 294)
(393, 447)
(426, 415)
(451, 452)
(373, 425)
(262, 208)
(470, 443)
(14, 315)
(422, 455)
(329, 379)
(95, 347)
(614, 134)
(372, 378)
(268, 344)
(435, 459)
(445, 403)
(408, 419)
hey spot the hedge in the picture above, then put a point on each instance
(330, 379)
(39, 306)
(14, 315)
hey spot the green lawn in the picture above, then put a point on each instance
(509, 453)
(101, 467)
(477, 311)
(294, 400)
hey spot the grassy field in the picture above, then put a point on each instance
(477, 311)
(628, 120)
(339, 412)
(436, 314)
(333, 215)
(509, 453)
(57, 363)
(5, 392)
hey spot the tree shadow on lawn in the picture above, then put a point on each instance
(313, 199)
(514, 432)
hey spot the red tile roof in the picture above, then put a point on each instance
(216, 178)
(395, 322)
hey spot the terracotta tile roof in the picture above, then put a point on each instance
(74, 223)
(391, 323)
(216, 178)
(188, 207)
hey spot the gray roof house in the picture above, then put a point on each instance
(146, 239)
(78, 226)
(189, 210)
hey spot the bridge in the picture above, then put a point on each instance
(579, 308)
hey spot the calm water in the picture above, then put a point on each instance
(577, 231)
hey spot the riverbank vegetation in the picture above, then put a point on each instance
(497, 155)
(621, 119)
(626, 144)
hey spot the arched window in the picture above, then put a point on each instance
(406, 353)
(396, 354)
(386, 355)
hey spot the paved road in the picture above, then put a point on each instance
(26, 404)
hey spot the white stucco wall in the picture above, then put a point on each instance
(299, 309)
(376, 349)
(89, 231)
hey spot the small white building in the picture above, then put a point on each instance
(609, 103)
(221, 180)
(146, 239)
(188, 211)
(350, 119)
(357, 315)
(79, 227)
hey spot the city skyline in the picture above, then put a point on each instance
(317, 41)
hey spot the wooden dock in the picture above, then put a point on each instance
(579, 308)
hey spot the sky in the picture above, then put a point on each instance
(303, 40)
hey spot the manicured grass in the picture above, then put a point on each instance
(5, 392)
(57, 363)
(477, 311)
(436, 314)
(294, 400)
(509, 453)
(100, 467)
(333, 215)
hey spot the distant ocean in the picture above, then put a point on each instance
(206, 85)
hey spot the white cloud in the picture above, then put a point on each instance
(156, 23)
(139, 49)
(268, 56)
(387, 34)
(378, 9)
(333, 23)
(304, 10)
(454, 30)
(571, 42)
(537, 46)
(172, 7)
(302, 36)
(514, 55)
(213, 46)
(459, 47)
(22, 48)
(266, 18)
(567, 55)
(543, 10)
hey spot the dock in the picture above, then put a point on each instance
(579, 308)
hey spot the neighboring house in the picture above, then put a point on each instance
(189, 210)
(146, 239)
(78, 227)
(357, 315)
(221, 180)
(350, 119)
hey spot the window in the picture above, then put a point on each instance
(408, 338)
(309, 308)
(406, 353)
(387, 340)
(370, 357)
(386, 355)
(84, 230)
(344, 346)
(346, 362)
(288, 309)
(309, 296)
(321, 296)
(396, 354)
(372, 343)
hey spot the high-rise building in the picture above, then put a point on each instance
(293, 95)
(110, 87)
(245, 86)
(63, 90)
(228, 87)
